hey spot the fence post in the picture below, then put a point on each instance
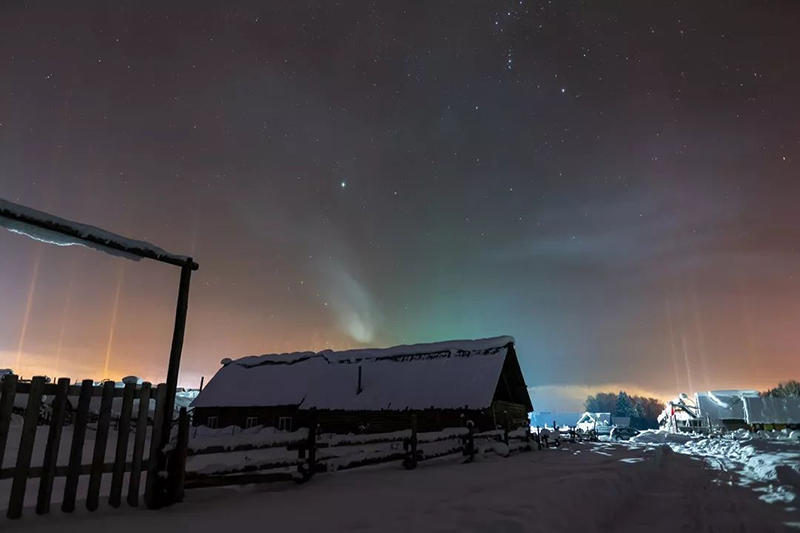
(100, 443)
(123, 432)
(505, 427)
(528, 435)
(76, 451)
(53, 443)
(177, 460)
(410, 461)
(471, 441)
(9, 391)
(312, 444)
(153, 491)
(138, 445)
(26, 448)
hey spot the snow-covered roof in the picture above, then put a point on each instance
(51, 229)
(601, 419)
(723, 405)
(455, 374)
(771, 410)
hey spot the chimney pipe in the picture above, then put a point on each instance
(360, 388)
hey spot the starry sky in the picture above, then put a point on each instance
(615, 184)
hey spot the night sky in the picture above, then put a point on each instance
(616, 184)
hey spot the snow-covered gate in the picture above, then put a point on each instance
(48, 228)
(61, 432)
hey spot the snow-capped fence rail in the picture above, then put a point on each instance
(132, 419)
(267, 456)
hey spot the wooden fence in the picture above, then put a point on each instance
(130, 425)
(311, 454)
(165, 467)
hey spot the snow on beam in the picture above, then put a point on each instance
(44, 227)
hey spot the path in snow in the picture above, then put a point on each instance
(577, 488)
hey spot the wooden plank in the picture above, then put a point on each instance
(300, 442)
(25, 448)
(8, 391)
(100, 443)
(50, 389)
(61, 471)
(76, 451)
(51, 450)
(240, 479)
(258, 467)
(138, 445)
(123, 432)
(153, 487)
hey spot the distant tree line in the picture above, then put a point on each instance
(623, 404)
(790, 389)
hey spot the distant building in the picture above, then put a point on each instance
(548, 418)
(371, 390)
(730, 410)
(772, 413)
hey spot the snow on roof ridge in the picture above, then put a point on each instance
(361, 354)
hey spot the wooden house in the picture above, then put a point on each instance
(445, 384)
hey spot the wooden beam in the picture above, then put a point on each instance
(177, 348)
(64, 228)
(63, 470)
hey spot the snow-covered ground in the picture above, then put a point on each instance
(640, 486)
(768, 462)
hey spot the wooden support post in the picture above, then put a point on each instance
(76, 451)
(153, 490)
(8, 391)
(26, 448)
(177, 460)
(471, 441)
(505, 427)
(312, 443)
(528, 434)
(138, 445)
(177, 347)
(414, 437)
(53, 443)
(100, 443)
(410, 462)
(123, 432)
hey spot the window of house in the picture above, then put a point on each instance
(250, 422)
(285, 423)
(212, 422)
